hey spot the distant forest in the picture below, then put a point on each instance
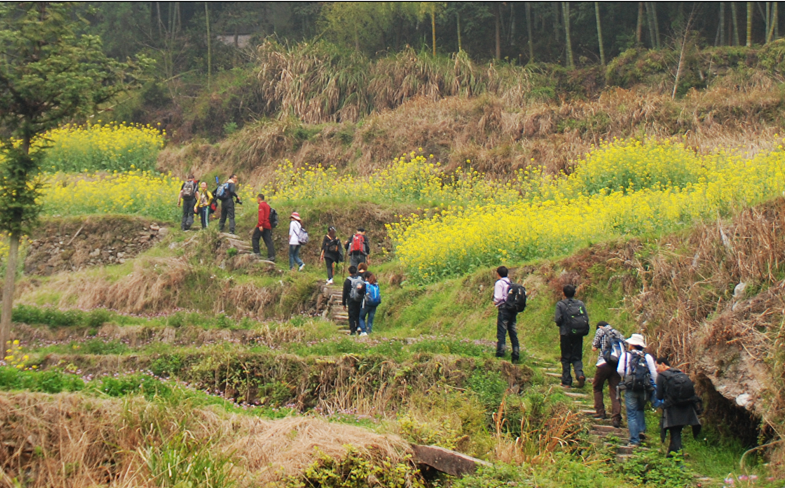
(573, 34)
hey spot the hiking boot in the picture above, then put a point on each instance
(566, 386)
(516, 360)
(617, 423)
(642, 436)
(330, 281)
(599, 416)
(363, 334)
(581, 382)
(301, 267)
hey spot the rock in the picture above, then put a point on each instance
(155, 228)
(743, 400)
(738, 291)
(163, 231)
(445, 460)
(96, 253)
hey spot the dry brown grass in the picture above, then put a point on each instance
(67, 440)
(497, 134)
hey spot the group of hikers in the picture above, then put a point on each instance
(623, 363)
(196, 199)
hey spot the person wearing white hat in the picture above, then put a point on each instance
(295, 241)
(639, 374)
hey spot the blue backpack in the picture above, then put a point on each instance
(372, 294)
(223, 192)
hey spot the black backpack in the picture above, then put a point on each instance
(516, 298)
(679, 389)
(638, 376)
(273, 218)
(576, 319)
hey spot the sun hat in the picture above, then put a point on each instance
(636, 340)
(295, 216)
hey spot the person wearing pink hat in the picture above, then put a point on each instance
(295, 241)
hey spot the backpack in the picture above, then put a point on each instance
(222, 193)
(358, 243)
(356, 295)
(189, 189)
(639, 377)
(333, 245)
(273, 218)
(613, 347)
(372, 294)
(679, 389)
(302, 235)
(516, 298)
(576, 319)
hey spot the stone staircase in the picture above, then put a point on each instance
(333, 308)
(600, 430)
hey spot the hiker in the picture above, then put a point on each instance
(187, 199)
(573, 321)
(681, 406)
(610, 343)
(227, 194)
(331, 253)
(639, 374)
(373, 298)
(353, 295)
(296, 240)
(263, 229)
(362, 270)
(506, 315)
(358, 248)
(203, 201)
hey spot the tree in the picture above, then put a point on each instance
(48, 75)
(209, 46)
(566, 10)
(529, 30)
(749, 24)
(599, 32)
(734, 19)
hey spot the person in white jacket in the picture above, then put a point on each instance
(295, 227)
(638, 372)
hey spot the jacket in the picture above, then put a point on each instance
(675, 415)
(294, 233)
(334, 255)
(561, 315)
(203, 199)
(264, 216)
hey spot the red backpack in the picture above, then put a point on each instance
(358, 243)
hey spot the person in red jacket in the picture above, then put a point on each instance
(263, 229)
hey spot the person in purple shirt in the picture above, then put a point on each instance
(505, 320)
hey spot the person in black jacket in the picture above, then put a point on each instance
(675, 417)
(571, 345)
(188, 192)
(354, 304)
(331, 252)
(227, 204)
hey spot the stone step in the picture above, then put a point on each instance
(608, 429)
(553, 375)
(625, 450)
(573, 394)
(622, 458)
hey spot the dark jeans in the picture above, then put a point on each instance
(571, 352)
(607, 373)
(267, 236)
(505, 323)
(204, 216)
(188, 213)
(354, 315)
(329, 262)
(227, 212)
(675, 444)
(366, 318)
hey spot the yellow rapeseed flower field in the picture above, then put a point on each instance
(95, 147)
(621, 188)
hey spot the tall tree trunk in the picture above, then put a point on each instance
(209, 47)
(512, 24)
(650, 21)
(566, 9)
(771, 22)
(433, 27)
(722, 23)
(529, 28)
(497, 15)
(735, 19)
(599, 32)
(766, 22)
(556, 24)
(8, 290)
(458, 22)
(776, 21)
(749, 24)
(639, 27)
(656, 24)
